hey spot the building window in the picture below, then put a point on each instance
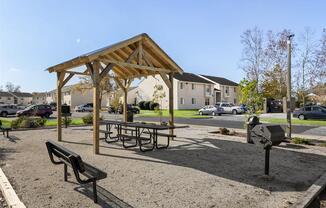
(235, 101)
(235, 89)
(208, 89)
(182, 101)
(193, 101)
(193, 86)
(206, 101)
(181, 85)
(227, 91)
(9, 98)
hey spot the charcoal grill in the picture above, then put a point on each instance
(265, 135)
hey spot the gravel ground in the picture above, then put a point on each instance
(198, 170)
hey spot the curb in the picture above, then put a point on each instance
(312, 193)
(9, 193)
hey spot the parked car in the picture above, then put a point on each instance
(36, 110)
(9, 109)
(210, 110)
(112, 109)
(130, 108)
(84, 107)
(310, 112)
(53, 106)
(230, 108)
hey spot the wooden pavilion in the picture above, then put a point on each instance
(136, 57)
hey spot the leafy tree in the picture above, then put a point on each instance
(249, 95)
(272, 85)
(10, 87)
(158, 96)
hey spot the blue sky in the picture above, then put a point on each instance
(201, 36)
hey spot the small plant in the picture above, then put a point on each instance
(66, 121)
(28, 122)
(298, 140)
(323, 144)
(88, 119)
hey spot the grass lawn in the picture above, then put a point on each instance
(74, 121)
(177, 114)
(295, 121)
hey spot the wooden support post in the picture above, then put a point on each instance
(60, 77)
(171, 106)
(97, 105)
(125, 99)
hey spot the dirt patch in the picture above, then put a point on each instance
(198, 170)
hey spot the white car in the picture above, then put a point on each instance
(210, 110)
(230, 108)
(84, 107)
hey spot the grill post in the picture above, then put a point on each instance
(267, 153)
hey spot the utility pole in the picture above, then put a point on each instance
(288, 94)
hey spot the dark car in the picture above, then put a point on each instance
(130, 108)
(310, 112)
(112, 109)
(36, 110)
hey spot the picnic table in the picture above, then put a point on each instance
(142, 133)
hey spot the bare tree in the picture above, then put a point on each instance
(10, 87)
(319, 72)
(306, 61)
(106, 85)
(275, 57)
(252, 54)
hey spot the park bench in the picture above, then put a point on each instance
(5, 130)
(73, 160)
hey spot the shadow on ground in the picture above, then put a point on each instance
(242, 162)
(105, 198)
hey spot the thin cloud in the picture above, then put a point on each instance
(14, 69)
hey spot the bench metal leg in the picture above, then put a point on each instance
(94, 191)
(162, 146)
(127, 146)
(65, 172)
(7, 134)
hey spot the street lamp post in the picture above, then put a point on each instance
(288, 94)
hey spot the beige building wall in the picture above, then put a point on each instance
(6, 100)
(193, 95)
(39, 98)
(229, 93)
(145, 92)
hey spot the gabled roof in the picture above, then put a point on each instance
(135, 57)
(15, 94)
(220, 80)
(190, 77)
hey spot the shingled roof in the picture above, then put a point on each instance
(16, 94)
(189, 77)
(221, 80)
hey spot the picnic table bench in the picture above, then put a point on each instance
(127, 131)
(5, 130)
(79, 167)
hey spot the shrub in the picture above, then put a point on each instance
(88, 119)
(28, 122)
(146, 105)
(298, 140)
(141, 105)
(153, 106)
(66, 121)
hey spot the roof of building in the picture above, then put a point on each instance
(221, 80)
(15, 94)
(189, 77)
